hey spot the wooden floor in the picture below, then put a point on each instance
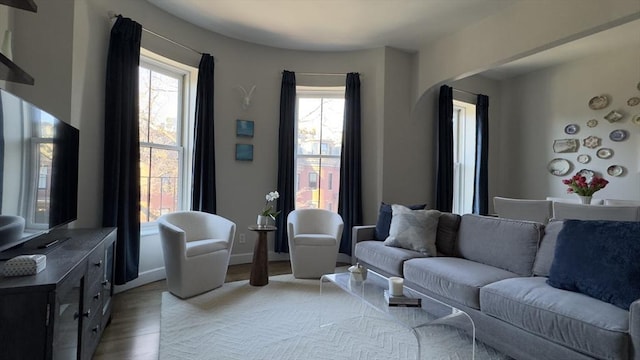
(134, 332)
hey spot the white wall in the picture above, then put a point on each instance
(539, 105)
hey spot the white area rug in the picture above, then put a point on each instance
(282, 321)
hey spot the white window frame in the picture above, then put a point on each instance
(189, 76)
(464, 133)
(335, 92)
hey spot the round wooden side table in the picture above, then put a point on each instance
(260, 264)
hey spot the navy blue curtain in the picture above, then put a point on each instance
(444, 171)
(121, 192)
(481, 180)
(286, 150)
(350, 196)
(1, 152)
(203, 195)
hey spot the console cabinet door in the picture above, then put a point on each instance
(23, 328)
(67, 318)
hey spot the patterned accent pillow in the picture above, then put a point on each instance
(413, 229)
(384, 219)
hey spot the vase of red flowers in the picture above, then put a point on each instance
(579, 185)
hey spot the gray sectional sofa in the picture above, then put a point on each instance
(496, 269)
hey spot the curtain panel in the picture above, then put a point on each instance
(286, 151)
(350, 196)
(481, 178)
(121, 193)
(203, 195)
(444, 170)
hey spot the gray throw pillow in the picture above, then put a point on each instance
(413, 229)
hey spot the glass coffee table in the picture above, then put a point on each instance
(439, 329)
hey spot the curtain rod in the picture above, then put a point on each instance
(324, 74)
(113, 15)
(465, 91)
(320, 74)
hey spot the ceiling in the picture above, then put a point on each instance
(342, 25)
(334, 25)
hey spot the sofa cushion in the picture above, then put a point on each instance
(414, 229)
(505, 243)
(454, 278)
(448, 227)
(599, 258)
(386, 258)
(572, 319)
(547, 249)
(384, 219)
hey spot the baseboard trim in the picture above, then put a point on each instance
(143, 278)
(153, 275)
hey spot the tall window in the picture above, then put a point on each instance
(464, 156)
(319, 120)
(162, 103)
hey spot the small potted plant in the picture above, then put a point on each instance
(268, 212)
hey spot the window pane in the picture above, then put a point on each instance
(164, 109)
(159, 182)
(160, 100)
(332, 120)
(144, 78)
(309, 125)
(319, 188)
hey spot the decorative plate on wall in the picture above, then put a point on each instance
(598, 102)
(584, 158)
(636, 119)
(613, 116)
(592, 123)
(565, 145)
(618, 135)
(559, 167)
(591, 142)
(615, 170)
(633, 101)
(604, 153)
(588, 174)
(638, 86)
(571, 129)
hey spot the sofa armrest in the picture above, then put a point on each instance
(634, 329)
(360, 233)
(364, 232)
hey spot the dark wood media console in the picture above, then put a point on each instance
(61, 312)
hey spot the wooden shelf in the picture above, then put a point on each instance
(28, 5)
(11, 72)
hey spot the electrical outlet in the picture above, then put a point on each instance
(242, 239)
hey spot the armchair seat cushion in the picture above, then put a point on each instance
(200, 247)
(314, 240)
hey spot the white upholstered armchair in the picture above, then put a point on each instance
(196, 247)
(314, 238)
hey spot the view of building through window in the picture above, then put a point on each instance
(161, 98)
(320, 117)
(464, 156)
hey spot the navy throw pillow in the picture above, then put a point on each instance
(384, 219)
(600, 259)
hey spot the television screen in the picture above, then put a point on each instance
(38, 171)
